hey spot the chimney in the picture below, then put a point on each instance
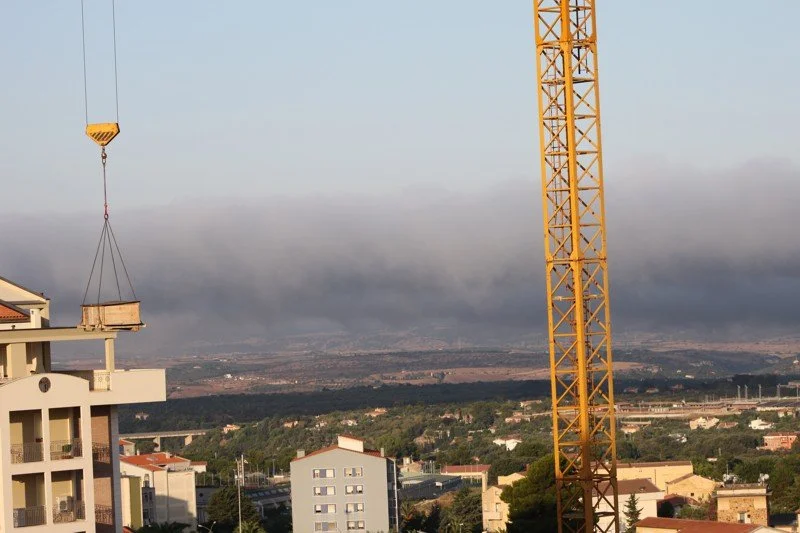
(301, 453)
(383, 452)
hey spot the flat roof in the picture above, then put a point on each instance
(53, 334)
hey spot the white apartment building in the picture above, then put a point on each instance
(58, 429)
(345, 487)
(170, 480)
(647, 497)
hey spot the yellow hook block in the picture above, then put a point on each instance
(103, 133)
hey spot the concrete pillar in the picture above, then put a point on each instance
(17, 360)
(157, 442)
(188, 440)
(110, 363)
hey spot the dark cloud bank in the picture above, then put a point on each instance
(702, 253)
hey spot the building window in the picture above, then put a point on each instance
(356, 525)
(324, 473)
(355, 507)
(354, 489)
(742, 518)
(324, 526)
(325, 508)
(325, 491)
(356, 471)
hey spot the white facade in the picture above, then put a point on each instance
(58, 430)
(647, 496)
(171, 479)
(344, 488)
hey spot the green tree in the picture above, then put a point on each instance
(433, 519)
(223, 508)
(532, 500)
(250, 527)
(694, 512)
(163, 527)
(465, 514)
(632, 513)
(410, 518)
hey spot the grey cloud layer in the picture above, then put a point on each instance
(705, 251)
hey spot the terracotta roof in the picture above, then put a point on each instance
(465, 469)
(781, 434)
(677, 499)
(374, 453)
(654, 464)
(695, 526)
(125, 442)
(12, 313)
(632, 486)
(153, 461)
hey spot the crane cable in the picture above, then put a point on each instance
(103, 134)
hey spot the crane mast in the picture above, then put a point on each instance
(579, 319)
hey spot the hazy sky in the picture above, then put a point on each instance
(301, 166)
(260, 98)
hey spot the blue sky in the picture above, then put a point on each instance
(256, 99)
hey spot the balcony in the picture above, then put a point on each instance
(124, 386)
(29, 516)
(65, 449)
(27, 452)
(69, 511)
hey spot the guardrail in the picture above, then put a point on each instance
(29, 516)
(104, 514)
(65, 449)
(72, 512)
(27, 452)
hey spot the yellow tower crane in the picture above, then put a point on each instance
(579, 318)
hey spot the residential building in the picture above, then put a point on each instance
(743, 503)
(127, 447)
(138, 502)
(703, 422)
(171, 478)
(344, 487)
(227, 428)
(657, 472)
(59, 429)
(779, 441)
(647, 496)
(675, 525)
(509, 443)
(692, 486)
(761, 425)
(494, 509)
(202, 497)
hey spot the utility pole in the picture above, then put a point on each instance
(745, 392)
(240, 472)
(738, 392)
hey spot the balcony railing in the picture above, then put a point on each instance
(104, 514)
(28, 452)
(29, 516)
(71, 511)
(101, 453)
(65, 449)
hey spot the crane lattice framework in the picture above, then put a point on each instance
(577, 275)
